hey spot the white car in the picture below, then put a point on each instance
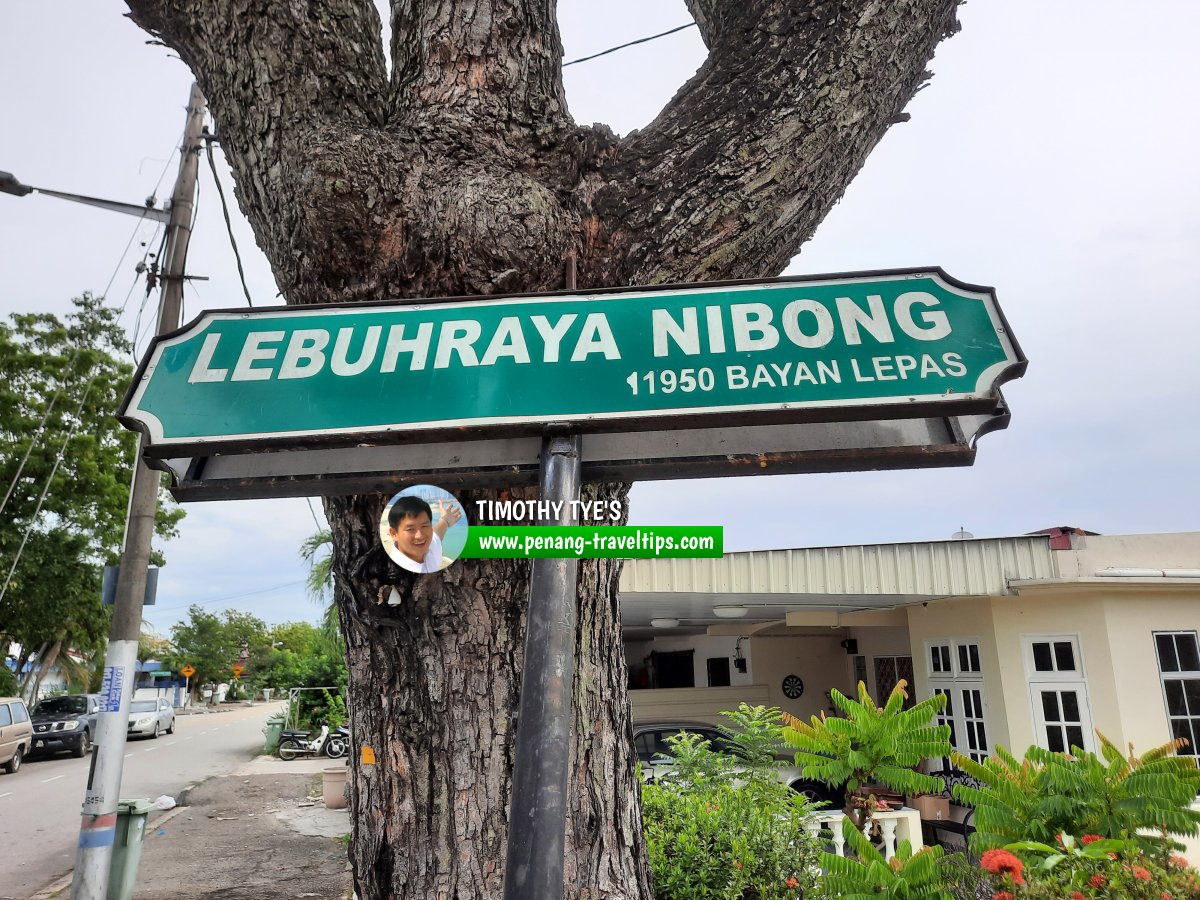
(151, 717)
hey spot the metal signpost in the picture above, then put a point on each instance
(823, 373)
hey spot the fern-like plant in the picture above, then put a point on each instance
(867, 874)
(871, 745)
(1113, 795)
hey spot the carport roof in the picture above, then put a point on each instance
(850, 579)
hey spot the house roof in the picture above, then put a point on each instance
(860, 579)
(868, 584)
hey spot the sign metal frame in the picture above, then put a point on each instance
(767, 413)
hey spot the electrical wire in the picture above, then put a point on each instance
(316, 521)
(278, 587)
(228, 225)
(75, 353)
(46, 490)
(644, 40)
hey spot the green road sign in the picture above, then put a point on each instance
(874, 345)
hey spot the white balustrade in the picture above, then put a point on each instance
(894, 826)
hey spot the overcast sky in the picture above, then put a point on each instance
(1053, 156)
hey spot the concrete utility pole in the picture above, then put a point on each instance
(93, 858)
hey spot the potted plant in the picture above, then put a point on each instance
(871, 747)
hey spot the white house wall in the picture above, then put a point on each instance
(969, 618)
(1131, 619)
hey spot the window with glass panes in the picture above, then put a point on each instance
(955, 670)
(1058, 692)
(1179, 665)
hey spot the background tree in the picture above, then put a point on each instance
(213, 644)
(460, 172)
(303, 655)
(70, 373)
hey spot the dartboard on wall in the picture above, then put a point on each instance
(793, 687)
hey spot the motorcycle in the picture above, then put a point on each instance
(339, 742)
(294, 743)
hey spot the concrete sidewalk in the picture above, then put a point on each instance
(261, 833)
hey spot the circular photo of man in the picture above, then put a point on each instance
(423, 528)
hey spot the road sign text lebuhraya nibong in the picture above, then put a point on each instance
(779, 345)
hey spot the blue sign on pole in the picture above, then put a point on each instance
(111, 687)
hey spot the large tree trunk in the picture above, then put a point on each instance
(464, 174)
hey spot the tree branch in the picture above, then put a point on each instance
(744, 163)
(277, 76)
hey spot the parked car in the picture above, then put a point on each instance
(16, 733)
(650, 741)
(151, 717)
(65, 723)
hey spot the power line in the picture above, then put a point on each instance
(278, 587)
(644, 40)
(228, 225)
(75, 354)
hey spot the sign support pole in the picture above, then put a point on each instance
(538, 810)
(97, 830)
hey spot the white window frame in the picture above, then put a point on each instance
(955, 672)
(1079, 673)
(1058, 681)
(1179, 675)
(956, 682)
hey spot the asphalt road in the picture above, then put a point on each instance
(40, 805)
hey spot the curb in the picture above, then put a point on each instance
(56, 887)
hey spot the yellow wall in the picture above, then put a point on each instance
(818, 661)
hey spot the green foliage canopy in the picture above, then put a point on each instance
(1112, 795)
(72, 373)
(213, 643)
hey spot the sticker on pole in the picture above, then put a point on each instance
(111, 688)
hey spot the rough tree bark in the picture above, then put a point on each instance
(463, 173)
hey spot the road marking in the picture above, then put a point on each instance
(149, 749)
(6, 794)
(127, 755)
(55, 778)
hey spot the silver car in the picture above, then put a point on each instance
(151, 717)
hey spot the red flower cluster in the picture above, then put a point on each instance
(1075, 895)
(1097, 880)
(793, 882)
(1179, 862)
(1090, 839)
(1001, 862)
(1002, 895)
(1141, 874)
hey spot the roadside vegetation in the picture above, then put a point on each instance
(1074, 826)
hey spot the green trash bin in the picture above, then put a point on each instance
(127, 847)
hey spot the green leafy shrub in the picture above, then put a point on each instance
(335, 710)
(871, 745)
(721, 825)
(1114, 796)
(1091, 868)
(867, 874)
